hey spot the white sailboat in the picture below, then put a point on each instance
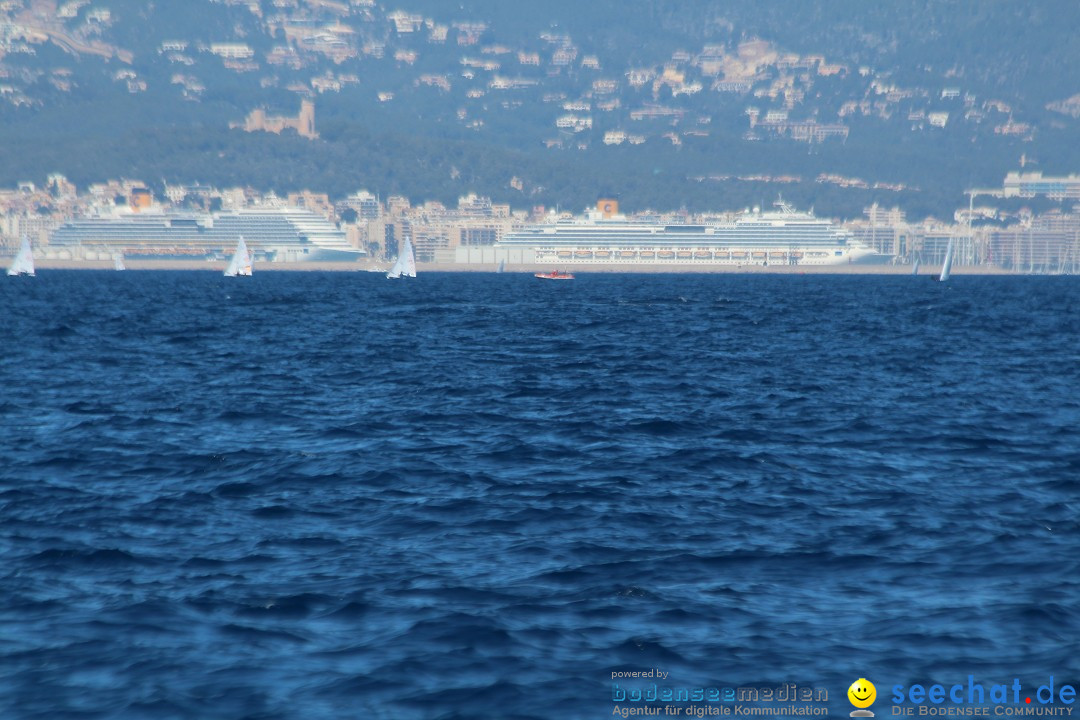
(118, 262)
(24, 261)
(946, 268)
(240, 265)
(915, 270)
(502, 266)
(406, 263)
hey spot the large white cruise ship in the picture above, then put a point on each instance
(781, 237)
(274, 234)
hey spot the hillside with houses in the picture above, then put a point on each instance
(676, 104)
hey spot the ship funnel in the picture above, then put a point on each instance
(140, 199)
(607, 206)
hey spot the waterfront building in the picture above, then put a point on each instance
(1047, 244)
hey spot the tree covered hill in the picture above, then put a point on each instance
(680, 103)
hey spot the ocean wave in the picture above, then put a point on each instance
(466, 498)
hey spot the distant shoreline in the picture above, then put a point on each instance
(218, 267)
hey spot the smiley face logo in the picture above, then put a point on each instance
(862, 693)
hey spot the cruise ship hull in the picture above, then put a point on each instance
(273, 235)
(290, 255)
(622, 255)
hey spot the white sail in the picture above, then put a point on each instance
(406, 262)
(502, 266)
(946, 269)
(24, 261)
(915, 270)
(118, 262)
(240, 265)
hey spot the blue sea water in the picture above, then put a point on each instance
(320, 495)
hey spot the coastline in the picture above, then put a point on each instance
(218, 267)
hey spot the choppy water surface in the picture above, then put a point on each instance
(331, 495)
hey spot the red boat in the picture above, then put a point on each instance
(555, 275)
